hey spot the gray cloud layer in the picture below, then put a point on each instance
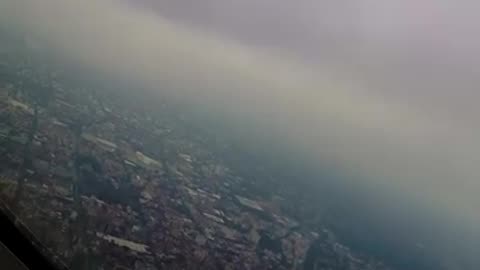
(387, 43)
(423, 149)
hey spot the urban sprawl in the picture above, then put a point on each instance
(104, 185)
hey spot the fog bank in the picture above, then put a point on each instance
(421, 153)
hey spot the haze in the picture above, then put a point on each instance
(384, 90)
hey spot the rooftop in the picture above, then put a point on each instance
(249, 203)
(141, 248)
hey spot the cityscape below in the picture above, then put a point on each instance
(239, 135)
(105, 183)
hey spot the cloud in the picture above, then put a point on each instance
(328, 116)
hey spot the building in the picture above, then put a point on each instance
(251, 204)
(136, 247)
(22, 106)
(102, 143)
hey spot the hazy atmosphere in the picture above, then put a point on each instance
(382, 91)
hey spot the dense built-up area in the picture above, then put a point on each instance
(106, 185)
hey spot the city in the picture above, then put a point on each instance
(105, 185)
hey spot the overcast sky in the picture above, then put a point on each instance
(383, 89)
(382, 40)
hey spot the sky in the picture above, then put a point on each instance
(382, 89)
